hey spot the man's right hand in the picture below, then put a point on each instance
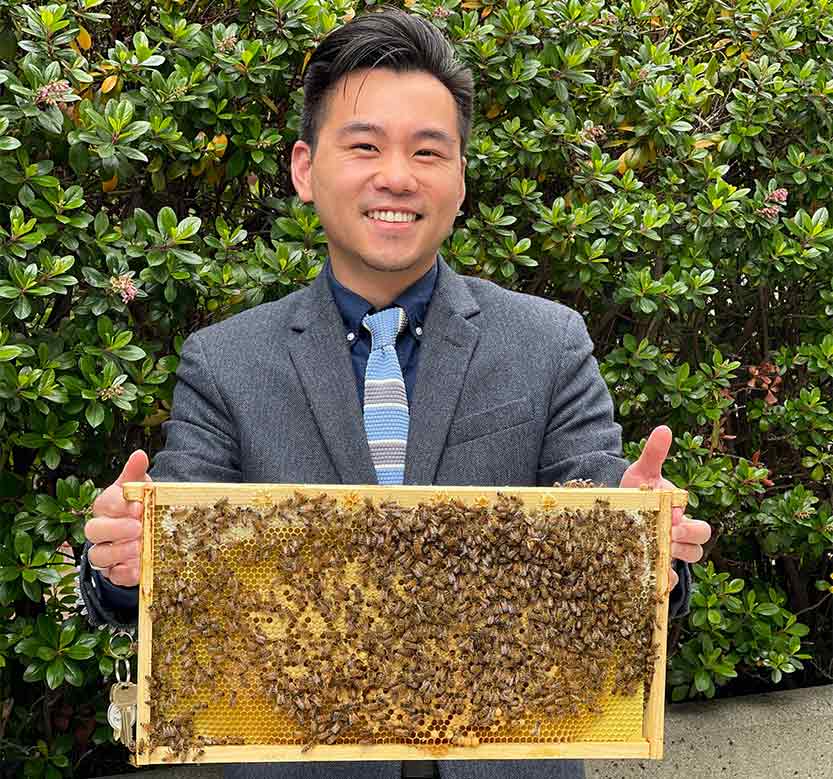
(116, 527)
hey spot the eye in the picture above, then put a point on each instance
(430, 151)
(360, 145)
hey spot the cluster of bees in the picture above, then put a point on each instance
(367, 619)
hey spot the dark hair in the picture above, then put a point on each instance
(389, 38)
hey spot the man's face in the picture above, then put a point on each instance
(410, 162)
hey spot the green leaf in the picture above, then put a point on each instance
(34, 672)
(67, 634)
(679, 693)
(130, 353)
(188, 227)
(94, 414)
(166, 221)
(767, 609)
(32, 590)
(23, 547)
(702, 680)
(22, 308)
(89, 640)
(51, 457)
(79, 652)
(10, 352)
(79, 158)
(48, 575)
(55, 673)
(73, 673)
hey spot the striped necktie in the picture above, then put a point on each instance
(385, 401)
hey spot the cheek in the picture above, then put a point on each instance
(338, 184)
(435, 187)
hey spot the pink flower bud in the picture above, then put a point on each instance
(771, 212)
(49, 93)
(124, 286)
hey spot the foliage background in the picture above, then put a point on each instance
(663, 167)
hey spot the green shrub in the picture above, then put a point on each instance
(662, 167)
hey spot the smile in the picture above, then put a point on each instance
(393, 216)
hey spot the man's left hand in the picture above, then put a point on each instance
(687, 535)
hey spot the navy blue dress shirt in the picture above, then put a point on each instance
(353, 309)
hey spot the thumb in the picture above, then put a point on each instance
(649, 464)
(135, 469)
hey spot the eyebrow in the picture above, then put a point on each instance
(426, 133)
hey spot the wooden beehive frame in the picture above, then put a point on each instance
(649, 746)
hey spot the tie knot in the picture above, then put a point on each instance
(385, 326)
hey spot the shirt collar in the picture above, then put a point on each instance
(414, 300)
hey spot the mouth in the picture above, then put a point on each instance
(391, 226)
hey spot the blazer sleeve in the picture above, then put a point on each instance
(201, 437)
(581, 440)
(201, 444)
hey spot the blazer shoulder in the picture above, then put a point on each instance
(253, 325)
(535, 314)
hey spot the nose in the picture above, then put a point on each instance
(395, 173)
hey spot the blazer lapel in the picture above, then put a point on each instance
(444, 355)
(321, 356)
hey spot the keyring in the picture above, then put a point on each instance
(122, 662)
(124, 653)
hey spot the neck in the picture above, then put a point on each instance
(379, 288)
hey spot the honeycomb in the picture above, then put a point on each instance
(318, 620)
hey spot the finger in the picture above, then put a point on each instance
(676, 516)
(106, 555)
(649, 464)
(125, 574)
(111, 502)
(673, 579)
(105, 529)
(690, 553)
(691, 531)
(135, 469)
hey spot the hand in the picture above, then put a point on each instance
(687, 535)
(116, 526)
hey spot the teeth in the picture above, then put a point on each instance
(392, 216)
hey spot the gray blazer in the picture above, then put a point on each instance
(507, 394)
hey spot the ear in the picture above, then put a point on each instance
(462, 195)
(301, 168)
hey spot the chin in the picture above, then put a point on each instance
(385, 265)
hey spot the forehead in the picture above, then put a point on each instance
(391, 102)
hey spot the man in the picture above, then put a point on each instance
(488, 387)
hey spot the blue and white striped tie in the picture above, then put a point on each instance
(385, 401)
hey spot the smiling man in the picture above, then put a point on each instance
(384, 167)
(389, 368)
